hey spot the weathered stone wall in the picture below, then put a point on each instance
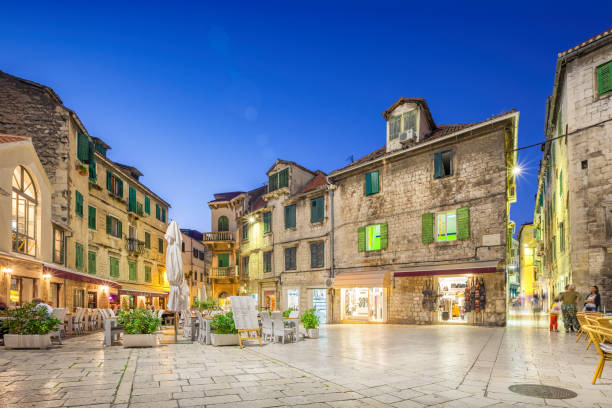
(590, 189)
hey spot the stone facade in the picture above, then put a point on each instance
(574, 204)
(196, 262)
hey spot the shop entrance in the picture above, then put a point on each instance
(319, 303)
(92, 300)
(270, 297)
(366, 304)
(452, 302)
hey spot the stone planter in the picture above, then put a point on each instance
(224, 339)
(313, 333)
(27, 341)
(139, 340)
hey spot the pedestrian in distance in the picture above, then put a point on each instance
(592, 303)
(555, 311)
(570, 299)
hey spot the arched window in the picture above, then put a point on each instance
(23, 212)
(223, 224)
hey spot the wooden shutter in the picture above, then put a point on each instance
(368, 183)
(604, 78)
(163, 214)
(82, 147)
(131, 199)
(157, 211)
(463, 223)
(133, 275)
(267, 219)
(120, 187)
(384, 238)
(317, 209)
(91, 263)
(109, 226)
(437, 165)
(147, 205)
(119, 229)
(427, 228)
(78, 256)
(290, 216)
(361, 239)
(78, 205)
(374, 182)
(273, 182)
(283, 178)
(147, 240)
(91, 216)
(109, 180)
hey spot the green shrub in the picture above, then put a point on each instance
(30, 319)
(202, 305)
(310, 320)
(287, 312)
(224, 324)
(140, 321)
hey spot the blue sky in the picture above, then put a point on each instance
(204, 98)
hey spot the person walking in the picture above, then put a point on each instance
(570, 299)
(555, 311)
(592, 303)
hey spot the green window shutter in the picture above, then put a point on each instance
(91, 263)
(604, 78)
(283, 178)
(147, 276)
(78, 203)
(438, 165)
(368, 182)
(372, 183)
(157, 211)
(463, 223)
(290, 216)
(133, 275)
(317, 209)
(427, 228)
(147, 240)
(120, 188)
(163, 215)
(560, 183)
(109, 226)
(361, 239)
(273, 182)
(78, 256)
(109, 180)
(91, 217)
(267, 219)
(223, 260)
(131, 199)
(147, 205)
(384, 237)
(82, 147)
(119, 229)
(114, 267)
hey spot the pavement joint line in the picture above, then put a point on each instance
(475, 360)
(501, 342)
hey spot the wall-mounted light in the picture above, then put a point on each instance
(46, 276)
(251, 219)
(6, 269)
(104, 288)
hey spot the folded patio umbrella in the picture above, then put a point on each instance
(179, 291)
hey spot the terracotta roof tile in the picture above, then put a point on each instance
(587, 42)
(256, 200)
(12, 138)
(226, 196)
(320, 179)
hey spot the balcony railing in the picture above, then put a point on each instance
(134, 245)
(223, 272)
(219, 236)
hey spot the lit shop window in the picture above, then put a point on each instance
(446, 226)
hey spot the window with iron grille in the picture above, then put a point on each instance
(267, 261)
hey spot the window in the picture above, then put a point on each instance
(133, 274)
(195, 253)
(267, 261)
(78, 203)
(114, 226)
(147, 240)
(91, 263)
(147, 276)
(93, 173)
(561, 237)
(163, 214)
(160, 276)
(83, 148)
(278, 180)
(222, 224)
(78, 256)
(24, 200)
(446, 226)
(604, 78)
(245, 265)
(293, 299)
(372, 184)
(560, 184)
(114, 266)
(132, 199)
(223, 260)
(78, 298)
(114, 184)
(290, 254)
(443, 164)
(317, 209)
(157, 211)
(395, 124)
(201, 255)
(267, 222)
(183, 246)
(316, 254)
(290, 216)
(147, 205)
(409, 121)
(58, 245)
(372, 238)
(91, 217)
(160, 245)
(245, 230)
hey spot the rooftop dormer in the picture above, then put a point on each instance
(408, 121)
(287, 177)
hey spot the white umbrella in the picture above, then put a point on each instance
(179, 291)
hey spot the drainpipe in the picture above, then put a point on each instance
(331, 232)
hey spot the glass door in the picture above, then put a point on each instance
(319, 303)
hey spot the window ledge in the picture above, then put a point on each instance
(318, 223)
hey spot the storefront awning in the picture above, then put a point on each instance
(449, 269)
(141, 290)
(64, 273)
(361, 279)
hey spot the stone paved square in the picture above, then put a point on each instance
(349, 366)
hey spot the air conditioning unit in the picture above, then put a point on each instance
(407, 135)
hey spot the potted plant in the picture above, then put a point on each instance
(29, 326)
(224, 332)
(204, 305)
(287, 312)
(139, 327)
(310, 321)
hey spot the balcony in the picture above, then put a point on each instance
(223, 272)
(223, 236)
(134, 246)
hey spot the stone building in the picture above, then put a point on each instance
(531, 279)
(421, 218)
(101, 230)
(196, 262)
(573, 212)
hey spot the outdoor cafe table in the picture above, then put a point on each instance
(296, 325)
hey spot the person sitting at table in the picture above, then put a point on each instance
(39, 302)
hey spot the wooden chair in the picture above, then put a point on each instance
(598, 335)
(583, 321)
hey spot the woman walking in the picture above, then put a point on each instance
(592, 303)
(570, 299)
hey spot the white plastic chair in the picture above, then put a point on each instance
(278, 326)
(59, 313)
(266, 325)
(77, 321)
